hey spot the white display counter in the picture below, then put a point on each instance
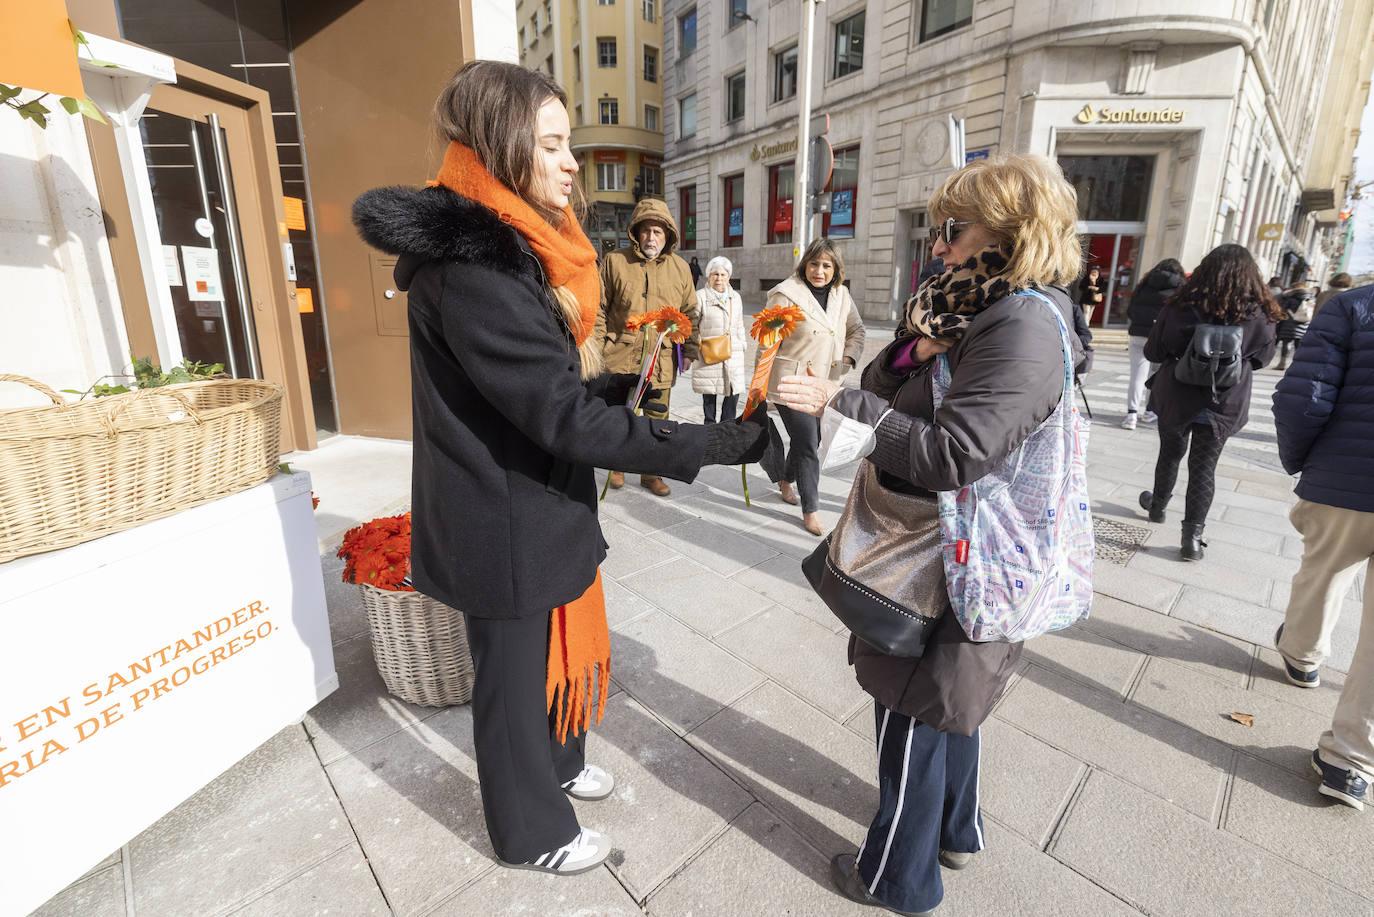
(136, 668)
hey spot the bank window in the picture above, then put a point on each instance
(849, 46)
(650, 64)
(780, 202)
(739, 9)
(610, 176)
(839, 223)
(605, 52)
(650, 10)
(610, 111)
(734, 210)
(687, 214)
(687, 32)
(785, 74)
(651, 118)
(734, 97)
(687, 116)
(651, 177)
(1110, 188)
(940, 17)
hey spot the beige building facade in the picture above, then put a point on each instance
(608, 56)
(1182, 123)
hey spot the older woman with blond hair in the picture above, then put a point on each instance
(1005, 228)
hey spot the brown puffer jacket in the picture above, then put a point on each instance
(630, 285)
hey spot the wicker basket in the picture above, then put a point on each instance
(70, 472)
(421, 647)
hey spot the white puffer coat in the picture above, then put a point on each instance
(721, 313)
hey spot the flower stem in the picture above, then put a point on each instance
(744, 479)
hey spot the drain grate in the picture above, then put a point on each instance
(1117, 542)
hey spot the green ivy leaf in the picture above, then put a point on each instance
(285, 468)
(90, 110)
(9, 92)
(70, 104)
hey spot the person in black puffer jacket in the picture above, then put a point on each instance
(1158, 287)
(1297, 305)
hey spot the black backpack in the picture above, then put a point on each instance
(1213, 359)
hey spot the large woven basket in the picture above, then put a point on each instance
(70, 472)
(421, 647)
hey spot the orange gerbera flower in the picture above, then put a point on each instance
(635, 322)
(672, 322)
(775, 323)
(378, 553)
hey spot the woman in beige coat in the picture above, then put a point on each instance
(828, 344)
(722, 314)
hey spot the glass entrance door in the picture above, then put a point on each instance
(193, 196)
(1115, 254)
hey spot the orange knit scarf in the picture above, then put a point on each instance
(579, 650)
(568, 258)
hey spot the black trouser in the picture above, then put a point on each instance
(727, 407)
(1202, 467)
(803, 456)
(520, 765)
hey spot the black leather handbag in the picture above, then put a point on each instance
(881, 571)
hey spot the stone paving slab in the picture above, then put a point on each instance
(1084, 655)
(717, 549)
(1171, 638)
(520, 893)
(361, 711)
(1025, 783)
(1269, 679)
(343, 884)
(630, 551)
(1164, 561)
(1136, 586)
(100, 894)
(782, 581)
(1163, 860)
(702, 599)
(622, 605)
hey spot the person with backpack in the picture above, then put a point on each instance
(1209, 340)
(1154, 291)
(1298, 305)
(1324, 412)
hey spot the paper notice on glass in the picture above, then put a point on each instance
(172, 265)
(202, 274)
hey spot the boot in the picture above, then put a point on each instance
(1152, 506)
(655, 485)
(1192, 541)
(617, 480)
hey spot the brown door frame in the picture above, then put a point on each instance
(246, 116)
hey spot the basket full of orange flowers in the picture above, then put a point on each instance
(420, 644)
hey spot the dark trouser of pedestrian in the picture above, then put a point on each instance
(728, 406)
(928, 802)
(1286, 349)
(803, 466)
(521, 766)
(1203, 455)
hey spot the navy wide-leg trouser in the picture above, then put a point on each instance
(928, 802)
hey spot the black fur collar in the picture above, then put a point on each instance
(438, 225)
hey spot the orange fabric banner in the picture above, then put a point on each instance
(37, 50)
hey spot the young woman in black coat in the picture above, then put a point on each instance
(1226, 289)
(511, 416)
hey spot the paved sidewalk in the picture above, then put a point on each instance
(1113, 781)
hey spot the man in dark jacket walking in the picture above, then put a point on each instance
(1154, 291)
(1324, 411)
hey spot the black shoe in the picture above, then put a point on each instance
(1340, 784)
(1147, 503)
(1300, 677)
(955, 859)
(1192, 541)
(844, 873)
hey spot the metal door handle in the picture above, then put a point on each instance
(390, 294)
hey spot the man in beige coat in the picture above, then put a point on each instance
(646, 277)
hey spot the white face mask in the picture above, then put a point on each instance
(845, 440)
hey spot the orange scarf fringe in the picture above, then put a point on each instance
(567, 255)
(579, 650)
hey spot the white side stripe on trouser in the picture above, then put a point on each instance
(978, 789)
(896, 816)
(882, 732)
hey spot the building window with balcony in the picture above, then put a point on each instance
(651, 118)
(780, 202)
(610, 111)
(650, 64)
(844, 195)
(738, 10)
(849, 46)
(610, 176)
(734, 210)
(650, 10)
(687, 32)
(785, 74)
(651, 178)
(687, 215)
(734, 97)
(605, 52)
(940, 17)
(687, 116)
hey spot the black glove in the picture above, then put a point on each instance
(620, 387)
(740, 443)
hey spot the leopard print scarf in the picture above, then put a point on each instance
(945, 304)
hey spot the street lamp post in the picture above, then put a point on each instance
(801, 196)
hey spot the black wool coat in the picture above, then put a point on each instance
(1178, 404)
(506, 433)
(1158, 287)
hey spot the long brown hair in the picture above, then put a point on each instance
(491, 107)
(1227, 288)
(822, 248)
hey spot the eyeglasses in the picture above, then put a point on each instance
(948, 230)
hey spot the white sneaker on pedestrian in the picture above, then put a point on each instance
(1149, 417)
(581, 854)
(590, 785)
(1128, 422)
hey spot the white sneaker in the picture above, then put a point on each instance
(1128, 422)
(581, 854)
(590, 785)
(1149, 417)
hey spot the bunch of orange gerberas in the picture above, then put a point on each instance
(378, 553)
(667, 321)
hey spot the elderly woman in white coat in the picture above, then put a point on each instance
(828, 344)
(722, 317)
